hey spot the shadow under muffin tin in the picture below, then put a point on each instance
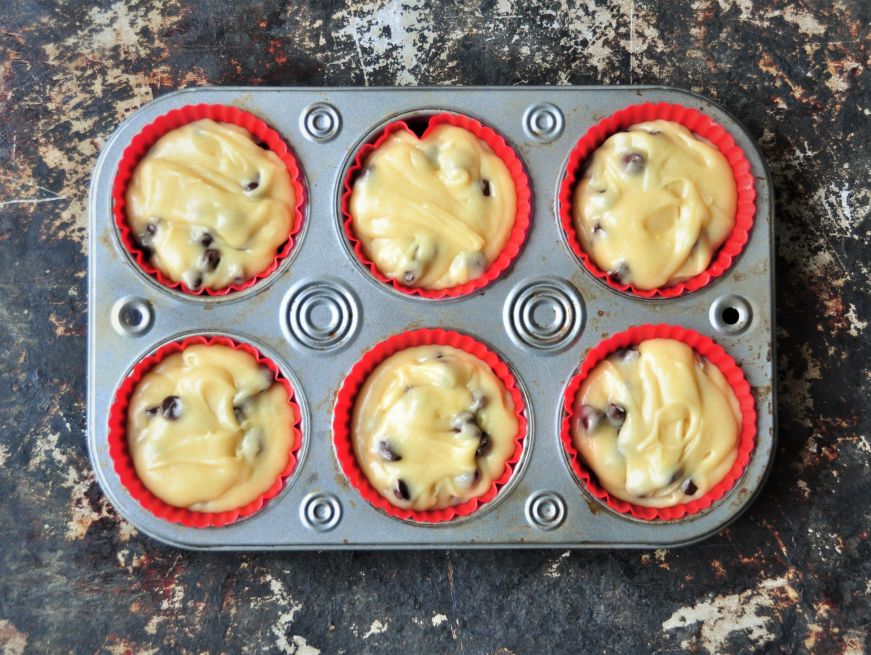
(320, 311)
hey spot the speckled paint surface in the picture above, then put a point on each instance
(792, 575)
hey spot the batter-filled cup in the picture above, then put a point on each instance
(440, 213)
(687, 412)
(232, 193)
(657, 200)
(429, 425)
(204, 431)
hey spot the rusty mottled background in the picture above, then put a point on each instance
(791, 576)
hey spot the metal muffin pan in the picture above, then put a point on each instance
(321, 310)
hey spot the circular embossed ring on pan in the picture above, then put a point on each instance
(545, 314)
(320, 512)
(321, 315)
(320, 122)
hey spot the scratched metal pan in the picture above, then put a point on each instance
(543, 505)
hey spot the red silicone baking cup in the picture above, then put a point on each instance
(521, 221)
(120, 452)
(345, 407)
(701, 125)
(701, 345)
(160, 126)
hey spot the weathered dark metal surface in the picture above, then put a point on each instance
(792, 575)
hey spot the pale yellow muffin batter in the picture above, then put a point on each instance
(209, 429)
(659, 425)
(654, 204)
(433, 212)
(433, 427)
(210, 207)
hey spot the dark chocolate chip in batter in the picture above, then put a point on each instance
(590, 417)
(210, 259)
(616, 415)
(409, 277)
(170, 408)
(485, 187)
(690, 488)
(627, 353)
(252, 185)
(151, 228)
(401, 490)
(633, 162)
(479, 401)
(387, 453)
(239, 413)
(151, 412)
(196, 283)
(462, 419)
(597, 228)
(620, 275)
(485, 445)
(207, 239)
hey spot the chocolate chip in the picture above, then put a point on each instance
(626, 353)
(207, 239)
(477, 263)
(690, 488)
(633, 162)
(597, 227)
(485, 446)
(461, 419)
(196, 283)
(590, 417)
(170, 408)
(620, 274)
(239, 413)
(210, 259)
(387, 453)
(401, 490)
(151, 228)
(616, 415)
(485, 187)
(250, 186)
(151, 412)
(409, 277)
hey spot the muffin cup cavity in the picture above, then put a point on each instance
(120, 453)
(703, 126)
(499, 146)
(347, 396)
(701, 345)
(162, 125)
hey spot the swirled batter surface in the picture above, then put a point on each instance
(433, 427)
(659, 425)
(433, 212)
(208, 206)
(654, 204)
(209, 429)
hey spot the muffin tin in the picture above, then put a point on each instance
(322, 309)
